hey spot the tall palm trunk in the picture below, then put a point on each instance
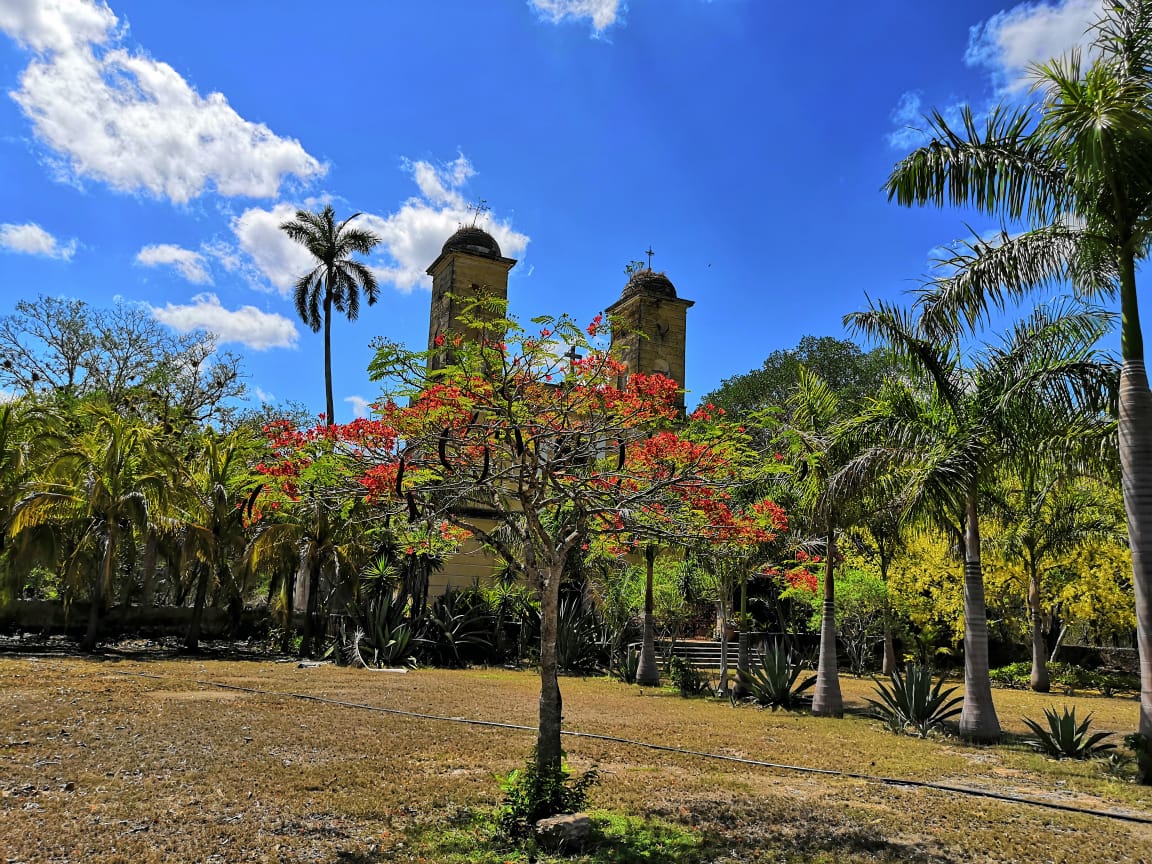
(826, 700)
(103, 582)
(1040, 681)
(647, 670)
(151, 554)
(1135, 429)
(889, 667)
(331, 416)
(309, 644)
(548, 753)
(978, 721)
(192, 641)
(722, 687)
(743, 647)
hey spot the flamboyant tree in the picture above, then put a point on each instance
(530, 450)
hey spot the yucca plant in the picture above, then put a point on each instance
(771, 680)
(1065, 738)
(912, 700)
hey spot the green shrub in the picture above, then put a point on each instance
(578, 646)
(1065, 738)
(1016, 676)
(771, 680)
(690, 680)
(530, 796)
(1067, 676)
(456, 629)
(912, 700)
(629, 663)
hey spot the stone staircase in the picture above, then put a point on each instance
(704, 654)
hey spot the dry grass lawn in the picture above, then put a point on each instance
(97, 765)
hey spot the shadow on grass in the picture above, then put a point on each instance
(617, 839)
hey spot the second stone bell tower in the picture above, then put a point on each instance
(469, 268)
(649, 327)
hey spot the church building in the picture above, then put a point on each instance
(649, 331)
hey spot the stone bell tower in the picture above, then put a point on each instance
(650, 326)
(469, 267)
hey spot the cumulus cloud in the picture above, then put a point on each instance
(602, 13)
(277, 258)
(247, 325)
(31, 239)
(189, 264)
(1009, 42)
(264, 396)
(360, 406)
(909, 120)
(125, 119)
(411, 237)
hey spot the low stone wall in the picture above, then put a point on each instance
(49, 618)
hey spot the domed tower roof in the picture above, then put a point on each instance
(474, 240)
(650, 283)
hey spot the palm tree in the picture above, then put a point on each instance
(215, 534)
(1043, 513)
(27, 436)
(1078, 170)
(102, 486)
(810, 432)
(335, 281)
(946, 427)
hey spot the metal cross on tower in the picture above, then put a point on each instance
(572, 355)
(649, 253)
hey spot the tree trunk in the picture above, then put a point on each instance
(548, 750)
(722, 688)
(148, 566)
(741, 691)
(331, 416)
(890, 663)
(1040, 681)
(826, 700)
(648, 670)
(978, 721)
(192, 641)
(312, 635)
(103, 580)
(1136, 469)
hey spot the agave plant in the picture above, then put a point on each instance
(913, 701)
(578, 646)
(456, 628)
(1065, 738)
(383, 635)
(771, 681)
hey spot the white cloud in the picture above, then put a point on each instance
(912, 126)
(189, 264)
(246, 325)
(411, 237)
(360, 406)
(133, 122)
(279, 259)
(909, 120)
(31, 239)
(1011, 40)
(264, 396)
(602, 13)
(56, 25)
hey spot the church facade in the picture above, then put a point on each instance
(649, 333)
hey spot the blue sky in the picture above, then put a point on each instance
(149, 150)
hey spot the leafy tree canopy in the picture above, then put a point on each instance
(851, 372)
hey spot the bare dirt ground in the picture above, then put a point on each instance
(100, 764)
